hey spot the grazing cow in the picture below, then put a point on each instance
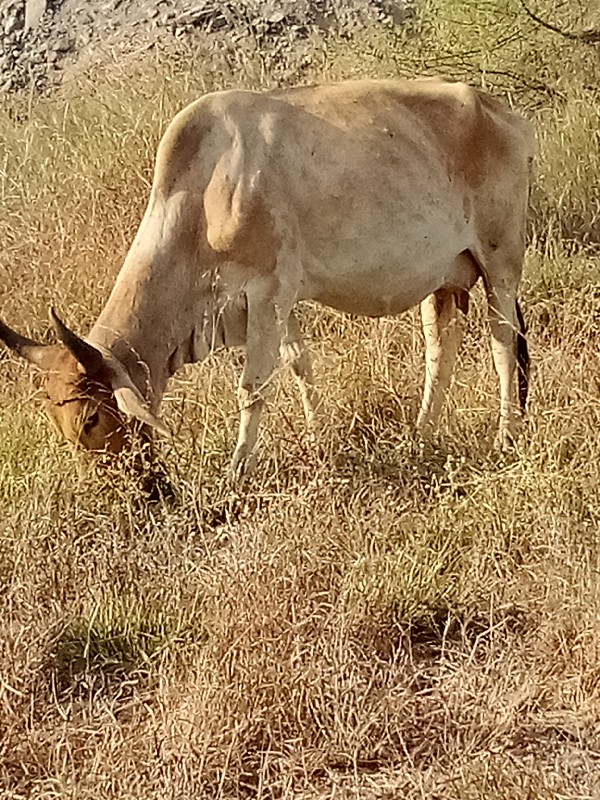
(367, 196)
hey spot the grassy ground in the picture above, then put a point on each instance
(372, 618)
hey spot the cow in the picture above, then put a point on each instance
(368, 196)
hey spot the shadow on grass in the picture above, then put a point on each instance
(114, 648)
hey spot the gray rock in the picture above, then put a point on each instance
(35, 35)
(34, 11)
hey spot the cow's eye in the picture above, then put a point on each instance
(91, 422)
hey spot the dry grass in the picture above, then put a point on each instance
(371, 618)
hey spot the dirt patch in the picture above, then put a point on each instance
(44, 42)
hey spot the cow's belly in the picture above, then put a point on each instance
(368, 294)
(382, 246)
(369, 305)
(389, 274)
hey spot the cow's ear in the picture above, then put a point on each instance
(34, 352)
(130, 402)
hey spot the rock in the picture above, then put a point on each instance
(37, 35)
(34, 11)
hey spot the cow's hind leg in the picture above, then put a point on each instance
(294, 353)
(509, 349)
(267, 317)
(443, 334)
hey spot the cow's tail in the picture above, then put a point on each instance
(522, 360)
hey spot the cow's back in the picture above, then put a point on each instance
(468, 126)
(389, 178)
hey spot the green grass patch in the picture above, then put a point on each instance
(119, 637)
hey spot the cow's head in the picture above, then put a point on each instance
(87, 395)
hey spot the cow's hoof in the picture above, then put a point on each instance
(242, 465)
(505, 441)
(423, 432)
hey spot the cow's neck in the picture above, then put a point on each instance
(149, 312)
(157, 296)
(165, 309)
(153, 339)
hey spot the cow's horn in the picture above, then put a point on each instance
(129, 398)
(87, 355)
(130, 402)
(26, 348)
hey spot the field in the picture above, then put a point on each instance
(371, 617)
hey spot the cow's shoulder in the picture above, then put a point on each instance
(239, 210)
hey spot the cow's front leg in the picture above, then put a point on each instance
(266, 318)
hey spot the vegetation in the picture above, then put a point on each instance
(372, 618)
